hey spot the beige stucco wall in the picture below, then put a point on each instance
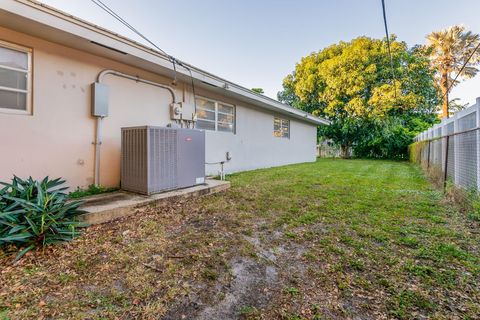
(56, 140)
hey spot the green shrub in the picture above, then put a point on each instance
(36, 213)
(90, 191)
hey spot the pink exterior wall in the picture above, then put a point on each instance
(57, 139)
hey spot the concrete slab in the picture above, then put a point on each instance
(109, 206)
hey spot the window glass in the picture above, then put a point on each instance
(281, 127)
(277, 124)
(13, 100)
(225, 127)
(225, 118)
(206, 125)
(205, 104)
(207, 115)
(225, 108)
(215, 116)
(14, 78)
(13, 58)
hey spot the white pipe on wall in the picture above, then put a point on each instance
(98, 142)
(98, 129)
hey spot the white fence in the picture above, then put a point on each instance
(325, 150)
(451, 149)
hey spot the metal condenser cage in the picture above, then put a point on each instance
(156, 159)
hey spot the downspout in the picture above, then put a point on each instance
(98, 129)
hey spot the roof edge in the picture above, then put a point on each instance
(197, 73)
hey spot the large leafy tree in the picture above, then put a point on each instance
(351, 84)
(449, 50)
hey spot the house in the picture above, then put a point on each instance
(54, 66)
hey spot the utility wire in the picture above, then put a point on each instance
(389, 50)
(450, 86)
(171, 58)
(193, 90)
(107, 9)
(461, 69)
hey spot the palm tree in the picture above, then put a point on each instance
(449, 50)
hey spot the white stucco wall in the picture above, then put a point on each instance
(56, 140)
(254, 145)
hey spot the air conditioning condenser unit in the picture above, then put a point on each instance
(156, 159)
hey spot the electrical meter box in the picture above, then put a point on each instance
(182, 111)
(99, 100)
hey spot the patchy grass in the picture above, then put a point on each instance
(90, 191)
(333, 239)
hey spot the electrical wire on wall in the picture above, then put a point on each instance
(171, 58)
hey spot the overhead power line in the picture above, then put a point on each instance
(461, 69)
(171, 58)
(108, 10)
(389, 50)
(450, 86)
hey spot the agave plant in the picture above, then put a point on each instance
(36, 214)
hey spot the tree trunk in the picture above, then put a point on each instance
(444, 88)
(345, 151)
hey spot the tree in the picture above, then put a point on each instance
(449, 50)
(258, 90)
(351, 84)
(456, 105)
(391, 136)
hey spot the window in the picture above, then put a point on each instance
(15, 78)
(215, 116)
(281, 128)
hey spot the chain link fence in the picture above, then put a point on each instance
(450, 151)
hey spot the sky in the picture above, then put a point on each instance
(256, 43)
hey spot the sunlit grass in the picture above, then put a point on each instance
(349, 238)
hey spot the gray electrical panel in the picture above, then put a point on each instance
(99, 100)
(156, 159)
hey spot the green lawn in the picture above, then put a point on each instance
(333, 239)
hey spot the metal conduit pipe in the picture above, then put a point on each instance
(102, 74)
(98, 129)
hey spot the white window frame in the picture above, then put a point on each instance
(282, 120)
(29, 91)
(216, 103)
